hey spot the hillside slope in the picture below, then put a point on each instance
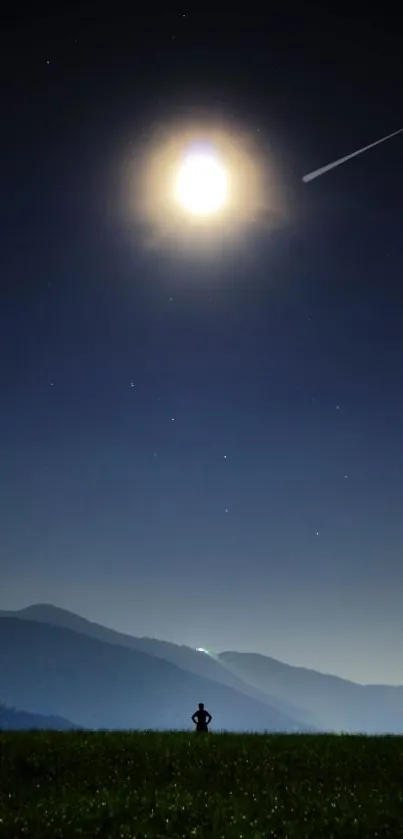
(13, 719)
(186, 658)
(335, 704)
(52, 670)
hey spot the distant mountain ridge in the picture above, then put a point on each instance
(181, 655)
(336, 704)
(13, 719)
(294, 697)
(53, 670)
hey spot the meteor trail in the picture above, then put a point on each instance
(341, 160)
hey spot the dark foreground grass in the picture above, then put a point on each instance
(222, 785)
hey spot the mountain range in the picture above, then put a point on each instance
(56, 663)
(12, 719)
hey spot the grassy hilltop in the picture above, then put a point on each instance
(57, 785)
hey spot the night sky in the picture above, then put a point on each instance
(204, 442)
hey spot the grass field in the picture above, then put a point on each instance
(219, 785)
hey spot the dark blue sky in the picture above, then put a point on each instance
(206, 447)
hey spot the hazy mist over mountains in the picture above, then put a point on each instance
(60, 670)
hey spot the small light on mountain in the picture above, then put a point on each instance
(207, 652)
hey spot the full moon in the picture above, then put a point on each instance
(201, 185)
(198, 186)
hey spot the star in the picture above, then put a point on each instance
(224, 456)
(317, 532)
(172, 419)
(226, 510)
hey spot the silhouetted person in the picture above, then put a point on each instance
(201, 718)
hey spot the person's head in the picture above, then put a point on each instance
(201, 705)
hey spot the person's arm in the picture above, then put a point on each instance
(209, 718)
(193, 718)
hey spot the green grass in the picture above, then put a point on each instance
(173, 784)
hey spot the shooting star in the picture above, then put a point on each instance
(341, 160)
